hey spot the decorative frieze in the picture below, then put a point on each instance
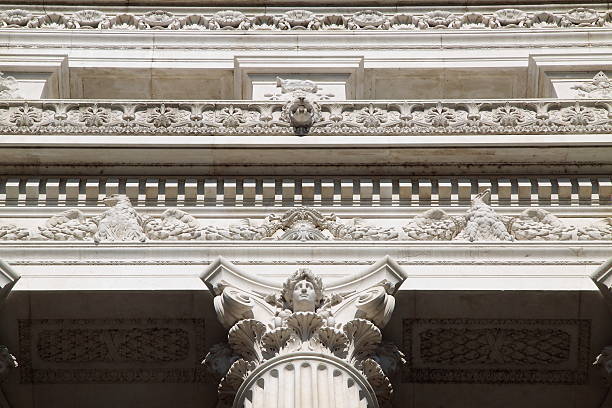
(305, 344)
(276, 118)
(111, 351)
(346, 192)
(307, 20)
(480, 223)
(496, 351)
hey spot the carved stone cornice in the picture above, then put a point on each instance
(300, 19)
(266, 118)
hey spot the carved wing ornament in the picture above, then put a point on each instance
(121, 222)
(303, 320)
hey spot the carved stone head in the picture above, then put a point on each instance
(303, 291)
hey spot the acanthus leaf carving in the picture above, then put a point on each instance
(245, 339)
(305, 322)
(379, 381)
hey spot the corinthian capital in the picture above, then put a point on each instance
(325, 338)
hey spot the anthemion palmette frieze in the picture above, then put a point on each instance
(508, 18)
(122, 222)
(305, 344)
(273, 118)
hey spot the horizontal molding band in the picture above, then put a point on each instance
(286, 191)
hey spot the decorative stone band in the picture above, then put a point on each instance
(307, 20)
(247, 192)
(276, 118)
(121, 222)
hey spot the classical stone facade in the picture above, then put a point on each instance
(305, 204)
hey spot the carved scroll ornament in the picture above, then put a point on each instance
(304, 344)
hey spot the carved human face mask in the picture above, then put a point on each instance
(304, 297)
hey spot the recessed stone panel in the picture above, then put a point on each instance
(56, 351)
(548, 351)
